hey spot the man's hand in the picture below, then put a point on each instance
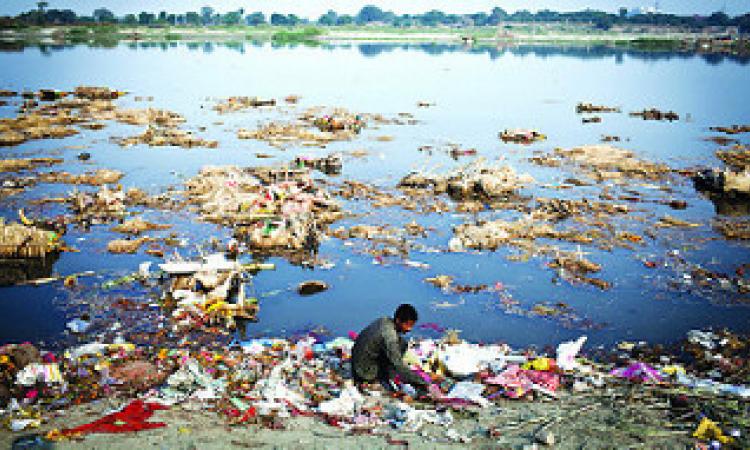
(435, 392)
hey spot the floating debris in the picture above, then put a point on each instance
(234, 104)
(311, 287)
(591, 108)
(329, 165)
(521, 136)
(655, 114)
(733, 129)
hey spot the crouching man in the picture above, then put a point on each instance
(378, 351)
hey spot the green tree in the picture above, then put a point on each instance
(497, 15)
(255, 19)
(130, 19)
(146, 18)
(231, 18)
(369, 14)
(207, 15)
(293, 20)
(345, 19)
(718, 19)
(103, 15)
(192, 18)
(329, 19)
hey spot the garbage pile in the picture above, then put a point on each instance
(345, 122)
(476, 180)
(521, 136)
(101, 206)
(272, 209)
(655, 114)
(604, 162)
(207, 291)
(582, 107)
(266, 383)
(24, 241)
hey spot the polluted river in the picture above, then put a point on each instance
(525, 196)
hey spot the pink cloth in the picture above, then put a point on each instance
(517, 382)
(638, 371)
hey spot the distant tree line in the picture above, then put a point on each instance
(207, 16)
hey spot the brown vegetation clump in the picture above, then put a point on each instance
(138, 226)
(234, 104)
(17, 165)
(472, 181)
(737, 157)
(96, 93)
(733, 229)
(163, 137)
(97, 178)
(604, 162)
(125, 245)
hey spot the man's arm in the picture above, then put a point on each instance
(395, 358)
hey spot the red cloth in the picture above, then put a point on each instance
(131, 418)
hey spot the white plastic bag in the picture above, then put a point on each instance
(567, 352)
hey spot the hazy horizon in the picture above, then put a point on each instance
(313, 10)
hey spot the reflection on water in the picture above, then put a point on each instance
(597, 51)
(16, 271)
(730, 204)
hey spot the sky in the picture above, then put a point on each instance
(313, 8)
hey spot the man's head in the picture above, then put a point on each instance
(405, 317)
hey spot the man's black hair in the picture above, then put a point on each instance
(405, 313)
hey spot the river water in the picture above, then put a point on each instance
(477, 93)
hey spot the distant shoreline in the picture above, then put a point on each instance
(111, 34)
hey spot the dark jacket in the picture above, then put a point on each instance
(378, 353)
